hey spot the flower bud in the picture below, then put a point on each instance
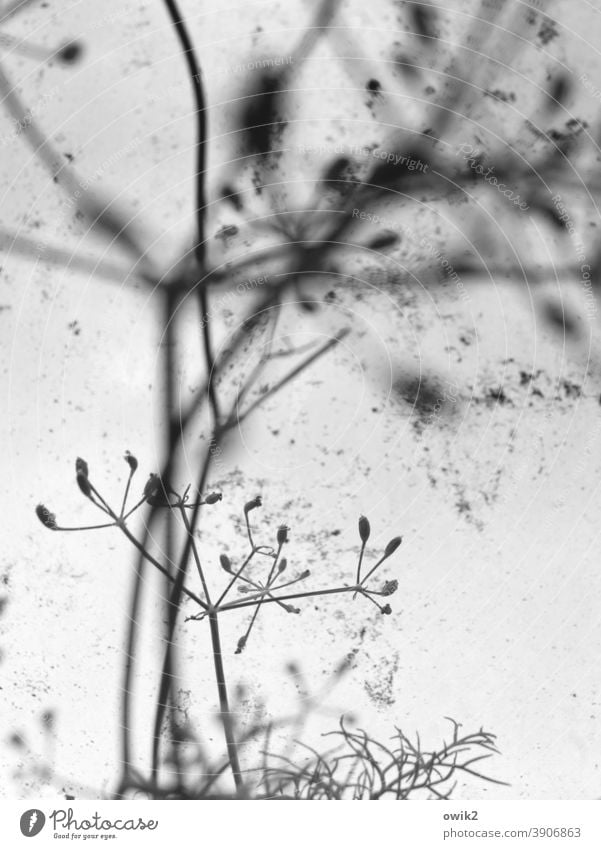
(131, 461)
(226, 563)
(283, 564)
(241, 644)
(392, 546)
(213, 497)
(386, 610)
(47, 518)
(364, 529)
(289, 608)
(390, 587)
(304, 574)
(282, 535)
(81, 467)
(250, 505)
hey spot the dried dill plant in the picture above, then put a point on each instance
(269, 586)
(308, 244)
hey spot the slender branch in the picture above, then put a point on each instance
(164, 695)
(128, 671)
(226, 717)
(235, 577)
(195, 554)
(195, 76)
(126, 493)
(296, 371)
(147, 556)
(309, 594)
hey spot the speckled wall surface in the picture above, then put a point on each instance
(460, 416)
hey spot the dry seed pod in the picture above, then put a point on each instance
(392, 546)
(47, 518)
(390, 587)
(251, 505)
(84, 484)
(131, 461)
(213, 497)
(364, 529)
(152, 485)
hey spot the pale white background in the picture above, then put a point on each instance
(496, 622)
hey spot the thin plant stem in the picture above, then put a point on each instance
(126, 493)
(373, 569)
(128, 670)
(362, 552)
(134, 508)
(309, 594)
(235, 577)
(195, 554)
(147, 556)
(226, 717)
(295, 372)
(195, 76)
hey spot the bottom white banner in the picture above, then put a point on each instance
(414, 824)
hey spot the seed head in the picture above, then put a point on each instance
(131, 461)
(81, 467)
(392, 546)
(364, 529)
(282, 535)
(390, 587)
(386, 610)
(213, 497)
(251, 505)
(226, 563)
(47, 518)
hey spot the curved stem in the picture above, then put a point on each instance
(199, 247)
